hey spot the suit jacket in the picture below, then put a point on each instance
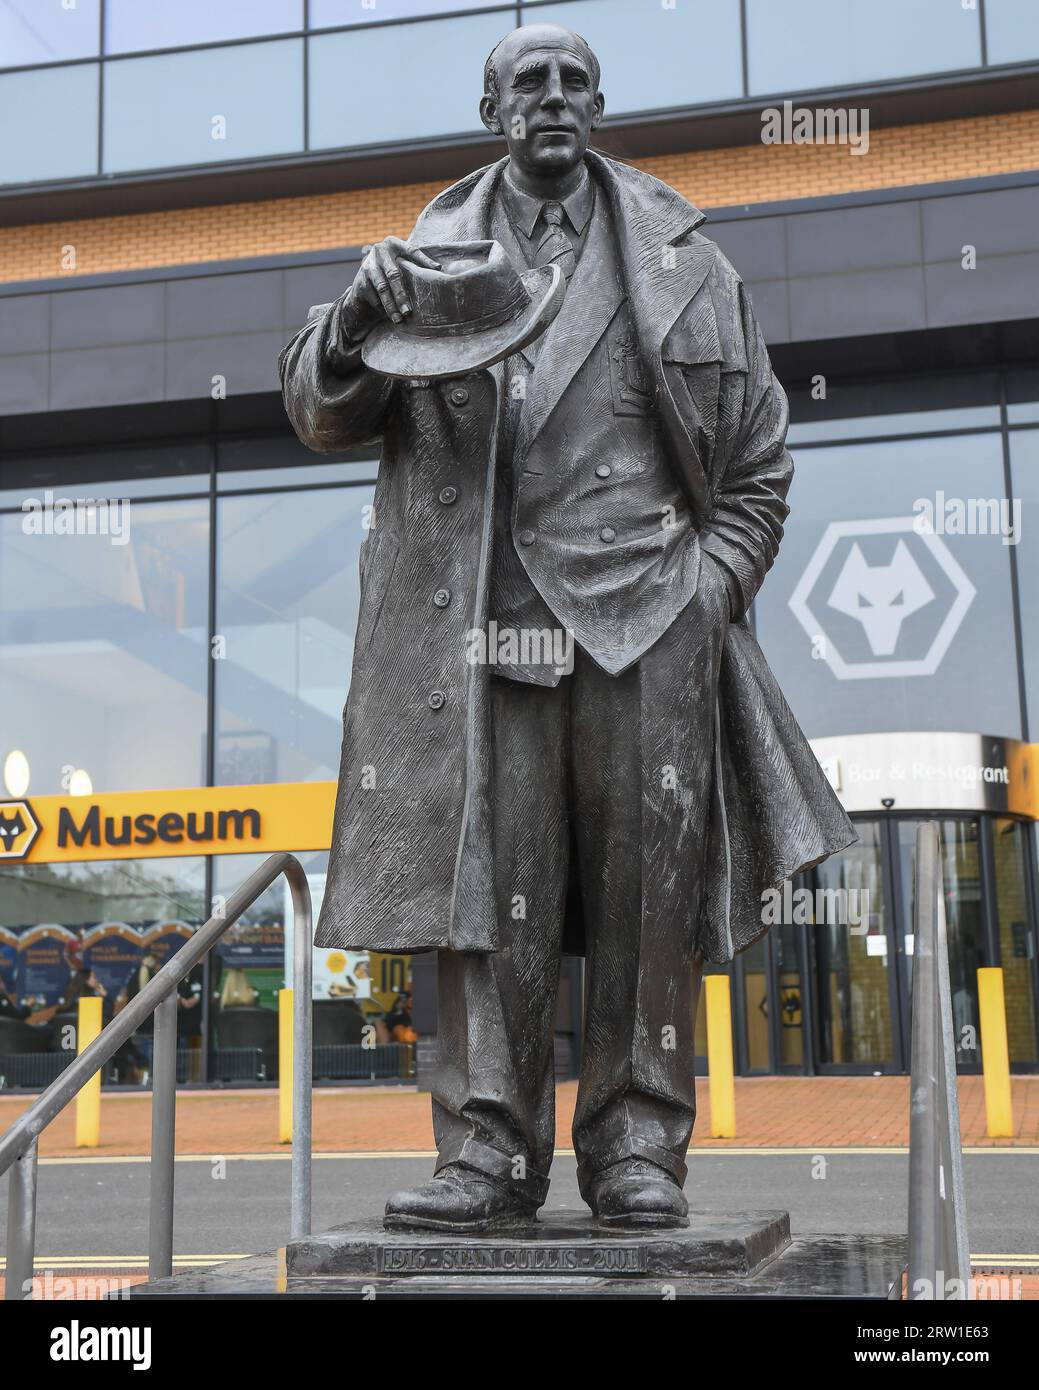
(594, 515)
(411, 863)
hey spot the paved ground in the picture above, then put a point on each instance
(828, 1149)
(772, 1111)
(92, 1212)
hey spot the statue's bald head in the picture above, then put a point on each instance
(531, 37)
(541, 92)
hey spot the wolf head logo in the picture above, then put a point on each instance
(11, 826)
(881, 597)
(18, 829)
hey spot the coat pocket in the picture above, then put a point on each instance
(378, 560)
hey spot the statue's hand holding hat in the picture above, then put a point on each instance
(476, 309)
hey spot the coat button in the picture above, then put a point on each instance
(442, 598)
(437, 699)
(526, 538)
(459, 396)
(607, 534)
(603, 471)
(448, 495)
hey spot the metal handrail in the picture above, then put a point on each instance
(939, 1254)
(18, 1147)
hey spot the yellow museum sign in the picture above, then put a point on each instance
(256, 819)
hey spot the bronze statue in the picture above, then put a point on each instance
(561, 733)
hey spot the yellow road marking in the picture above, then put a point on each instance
(731, 1151)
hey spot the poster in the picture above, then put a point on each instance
(337, 974)
(112, 950)
(43, 971)
(8, 959)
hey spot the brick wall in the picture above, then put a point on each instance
(899, 156)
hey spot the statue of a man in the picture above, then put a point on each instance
(619, 482)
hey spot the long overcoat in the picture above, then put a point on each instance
(412, 859)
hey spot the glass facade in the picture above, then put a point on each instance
(246, 547)
(355, 112)
(286, 615)
(133, 25)
(816, 43)
(203, 106)
(871, 621)
(98, 635)
(46, 31)
(657, 57)
(48, 120)
(188, 84)
(106, 687)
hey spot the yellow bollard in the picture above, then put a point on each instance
(719, 1057)
(995, 1055)
(88, 1102)
(285, 1066)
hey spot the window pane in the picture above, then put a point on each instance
(1024, 466)
(49, 123)
(97, 473)
(1012, 28)
(46, 31)
(388, 95)
(665, 57)
(1023, 397)
(1016, 940)
(287, 609)
(755, 1006)
(815, 43)
(137, 24)
(331, 14)
(106, 917)
(962, 881)
(790, 1005)
(282, 461)
(852, 981)
(912, 422)
(248, 969)
(873, 625)
(198, 108)
(895, 405)
(103, 648)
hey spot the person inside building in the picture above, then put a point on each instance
(9, 1006)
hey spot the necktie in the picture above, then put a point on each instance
(555, 247)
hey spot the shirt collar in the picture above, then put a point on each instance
(524, 210)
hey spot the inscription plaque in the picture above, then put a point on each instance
(512, 1258)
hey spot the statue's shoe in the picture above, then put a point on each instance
(458, 1199)
(635, 1193)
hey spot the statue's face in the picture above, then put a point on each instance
(547, 103)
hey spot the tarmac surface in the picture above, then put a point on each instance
(830, 1150)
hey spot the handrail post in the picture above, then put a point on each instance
(163, 1155)
(938, 1251)
(21, 1225)
(302, 1050)
(159, 997)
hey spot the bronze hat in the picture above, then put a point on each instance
(474, 311)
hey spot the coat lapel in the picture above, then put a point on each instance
(661, 278)
(463, 211)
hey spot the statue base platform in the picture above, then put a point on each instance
(565, 1255)
(558, 1245)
